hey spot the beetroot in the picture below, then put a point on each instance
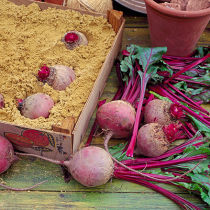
(6, 154)
(91, 166)
(74, 39)
(116, 117)
(58, 76)
(151, 140)
(162, 112)
(7, 158)
(35, 106)
(1, 101)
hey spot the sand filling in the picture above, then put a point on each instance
(30, 38)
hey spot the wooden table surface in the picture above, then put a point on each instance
(56, 194)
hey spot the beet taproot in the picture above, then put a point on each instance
(91, 166)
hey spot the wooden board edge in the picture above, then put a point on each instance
(115, 18)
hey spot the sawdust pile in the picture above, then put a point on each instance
(30, 38)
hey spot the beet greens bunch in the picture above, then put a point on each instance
(145, 74)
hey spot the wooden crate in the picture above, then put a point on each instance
(65, 139)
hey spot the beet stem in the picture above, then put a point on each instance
(206, 122)
(177, 199)
(176, 136)
(186, 131)
(187, 68)
(124, 96)
(176, 150)
(190, 81)
(108, 137)
(118, 72)
(194, 106)
(158, 164)
(190, 100)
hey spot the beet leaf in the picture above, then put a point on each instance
(200, 126)
(199, 91)
(200, 183)
(203, 97)
(192, 151)
(118, 151)
(188, 68)
(200, 175)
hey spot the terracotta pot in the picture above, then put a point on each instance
(178, 30)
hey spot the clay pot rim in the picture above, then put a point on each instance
(174, 12)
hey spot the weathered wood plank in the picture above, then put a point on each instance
(87, 200)
(136, 22)
(137, 36)
(29, 171)
(140, 21)
(141, 37)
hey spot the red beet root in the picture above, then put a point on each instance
(90, 166)
(162, 112)
(151, 140)
(7, 156)
(117, 117)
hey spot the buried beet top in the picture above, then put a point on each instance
(35, 106)
(39, 42)
(1, 101)
(58, 76)
(74, 39)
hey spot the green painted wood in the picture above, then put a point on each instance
(87, 200)
(29, 171)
